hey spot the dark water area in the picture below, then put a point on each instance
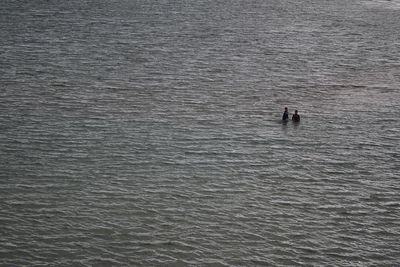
(148, 133)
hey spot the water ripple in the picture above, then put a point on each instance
(149, 134)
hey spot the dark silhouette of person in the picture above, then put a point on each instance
(285, 116)
(296, 116)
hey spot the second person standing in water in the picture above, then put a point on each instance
(296, 116)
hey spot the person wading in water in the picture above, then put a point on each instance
(296, 116)
(285, 116)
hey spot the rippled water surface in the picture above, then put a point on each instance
(148, 133)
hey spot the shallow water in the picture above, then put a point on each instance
(148, 133)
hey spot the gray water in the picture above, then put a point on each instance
(148, 133)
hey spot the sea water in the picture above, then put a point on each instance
(148, 133)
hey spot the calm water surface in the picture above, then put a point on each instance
(148, 133)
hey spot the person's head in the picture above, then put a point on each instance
(295, 112)
(286, 109)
